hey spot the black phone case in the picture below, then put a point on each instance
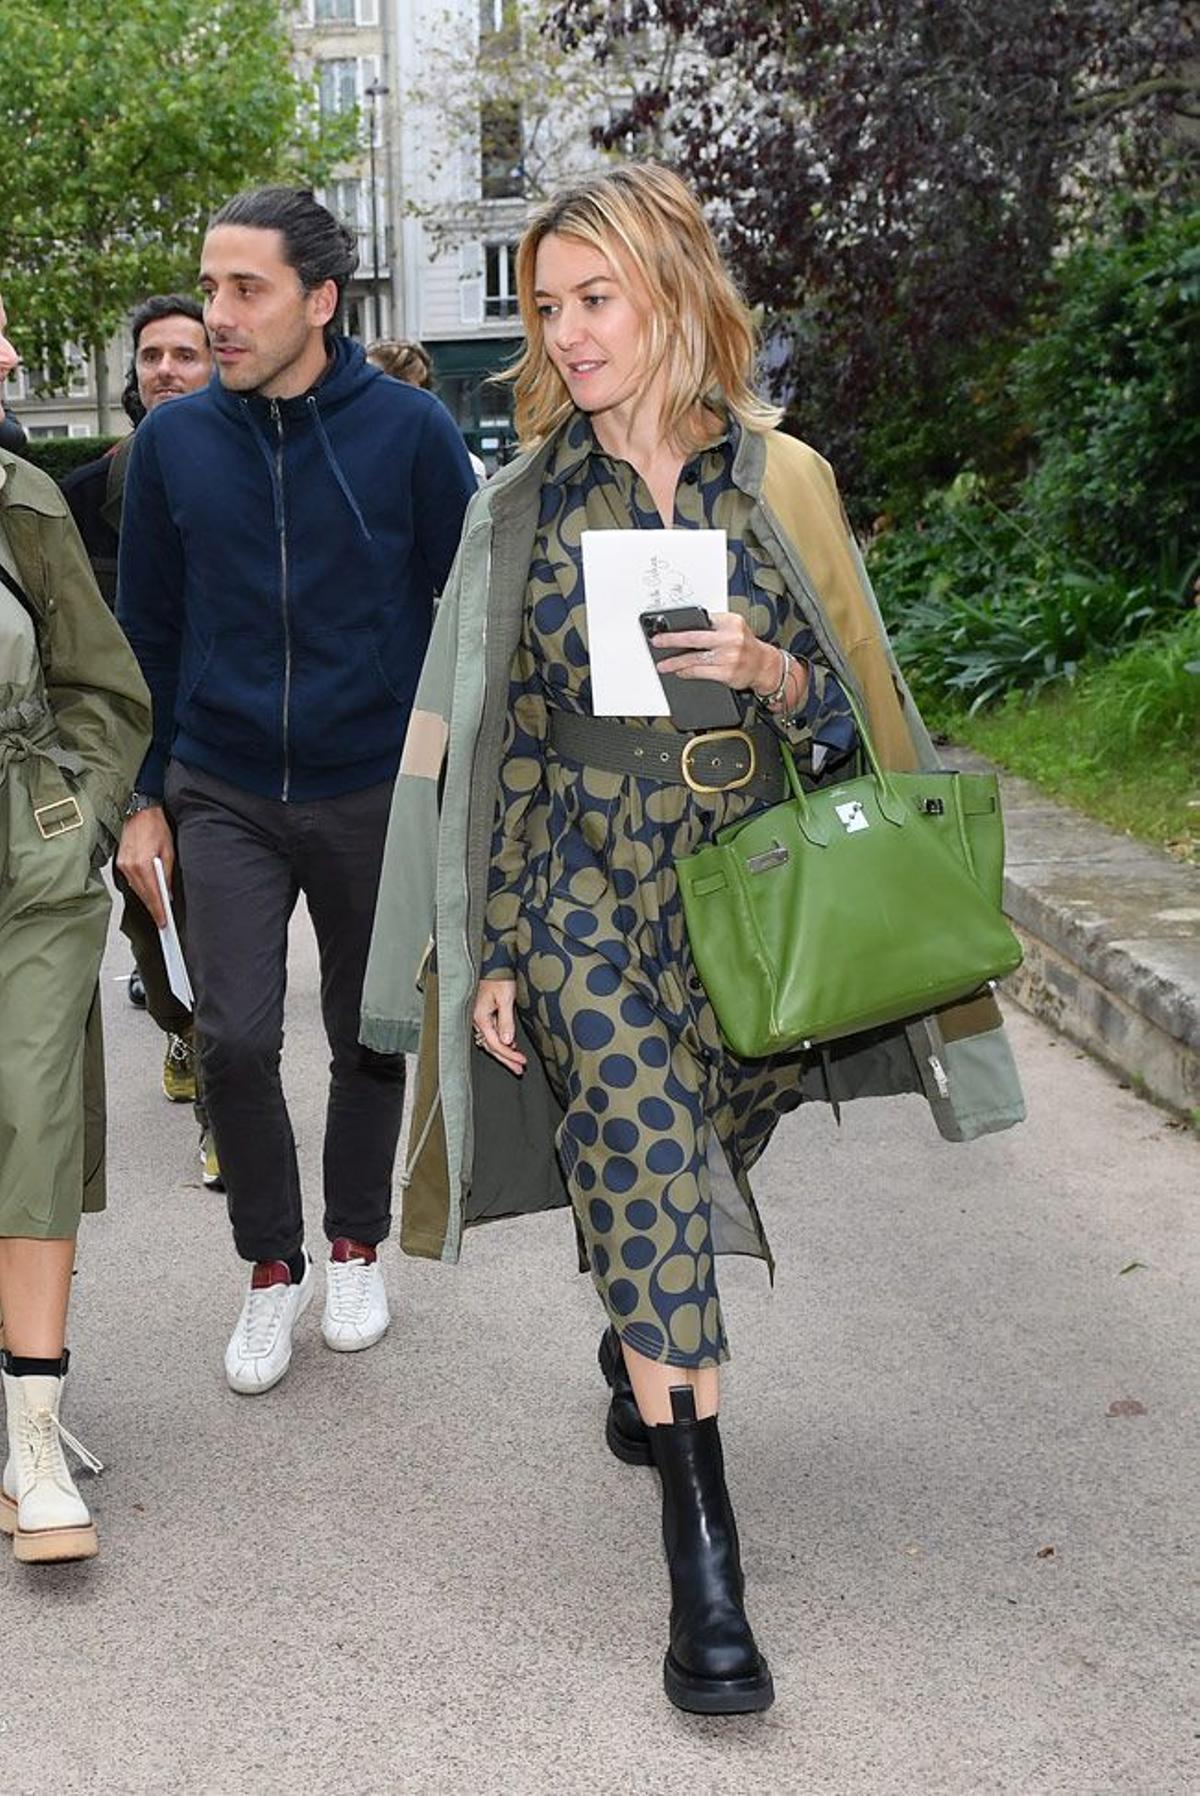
(694, 704)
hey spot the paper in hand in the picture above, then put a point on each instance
(177, 973)
(626, 572)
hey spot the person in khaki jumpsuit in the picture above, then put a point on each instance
(74, 724)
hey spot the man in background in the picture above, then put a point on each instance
(171, 358)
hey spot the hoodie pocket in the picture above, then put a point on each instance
(345, 707)
(233, 699)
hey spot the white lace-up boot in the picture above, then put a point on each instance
(356, 1304)
(39, 1504)
(260, 1348)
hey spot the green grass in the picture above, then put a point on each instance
(1120, 743)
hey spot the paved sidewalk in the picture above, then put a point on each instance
(962, 1432)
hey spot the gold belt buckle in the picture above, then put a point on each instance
(702, 741)
(68, 817)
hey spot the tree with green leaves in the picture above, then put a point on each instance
(123, 127)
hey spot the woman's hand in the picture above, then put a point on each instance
(730, 652)
(495, 1024)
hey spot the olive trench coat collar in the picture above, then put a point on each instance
(481, 1142)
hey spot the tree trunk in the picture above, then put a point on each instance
(99, 354)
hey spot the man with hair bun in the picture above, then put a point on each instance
(285, 535)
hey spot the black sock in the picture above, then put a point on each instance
(21, 1366)
(297, 1265)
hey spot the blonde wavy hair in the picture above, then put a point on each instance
(697, 326)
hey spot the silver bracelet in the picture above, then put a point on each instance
(774, 700)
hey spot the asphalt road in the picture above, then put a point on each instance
(961, 1431)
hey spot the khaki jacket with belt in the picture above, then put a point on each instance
(80, 741)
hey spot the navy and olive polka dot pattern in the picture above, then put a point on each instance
(584, 911)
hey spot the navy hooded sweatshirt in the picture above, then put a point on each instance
(278, 566)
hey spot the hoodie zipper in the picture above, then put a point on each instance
(277, 418)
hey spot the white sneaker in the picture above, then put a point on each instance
(356, 1305)
(260, 1348)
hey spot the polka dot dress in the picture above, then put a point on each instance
(584, 911)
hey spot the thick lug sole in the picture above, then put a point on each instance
(623, 1446)
(47, 1546)
(53, 1546)
(718, 1696)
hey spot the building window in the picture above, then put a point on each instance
(501, 169)
(337, 84)
(499, 26)
(333, 12)
(500, 280)
(79, 379)
(347, 201)
(350, 201)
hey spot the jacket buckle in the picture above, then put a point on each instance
(59, 818)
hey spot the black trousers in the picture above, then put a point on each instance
(245, 862)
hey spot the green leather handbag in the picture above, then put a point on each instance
(850, 906)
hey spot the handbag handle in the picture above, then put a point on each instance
(891, 805)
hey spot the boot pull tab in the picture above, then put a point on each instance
(683, 1403)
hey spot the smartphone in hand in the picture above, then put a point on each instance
(694, 704)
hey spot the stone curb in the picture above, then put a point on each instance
(1111, 931)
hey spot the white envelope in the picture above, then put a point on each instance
(172, 947)
(626, 572)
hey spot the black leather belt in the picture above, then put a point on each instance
(705, 760)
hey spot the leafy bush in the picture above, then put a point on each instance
(1150, 695)
(980, 605)
(58, 456)
(1122, 743)
(928, 433)
(1110, 387)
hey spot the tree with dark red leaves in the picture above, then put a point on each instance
(891, 180)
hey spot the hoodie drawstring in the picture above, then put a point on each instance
(331, 458)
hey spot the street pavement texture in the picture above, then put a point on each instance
(961, 1434)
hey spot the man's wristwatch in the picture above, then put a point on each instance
(139, 801)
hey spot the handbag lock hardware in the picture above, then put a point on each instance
(702, 741)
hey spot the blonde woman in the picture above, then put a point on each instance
(567, 1048)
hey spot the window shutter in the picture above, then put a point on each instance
(470, 283)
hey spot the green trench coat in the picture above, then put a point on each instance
(71, 742)
(481, 1143)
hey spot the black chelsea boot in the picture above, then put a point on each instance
(626, 1433)
(713, 1666)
